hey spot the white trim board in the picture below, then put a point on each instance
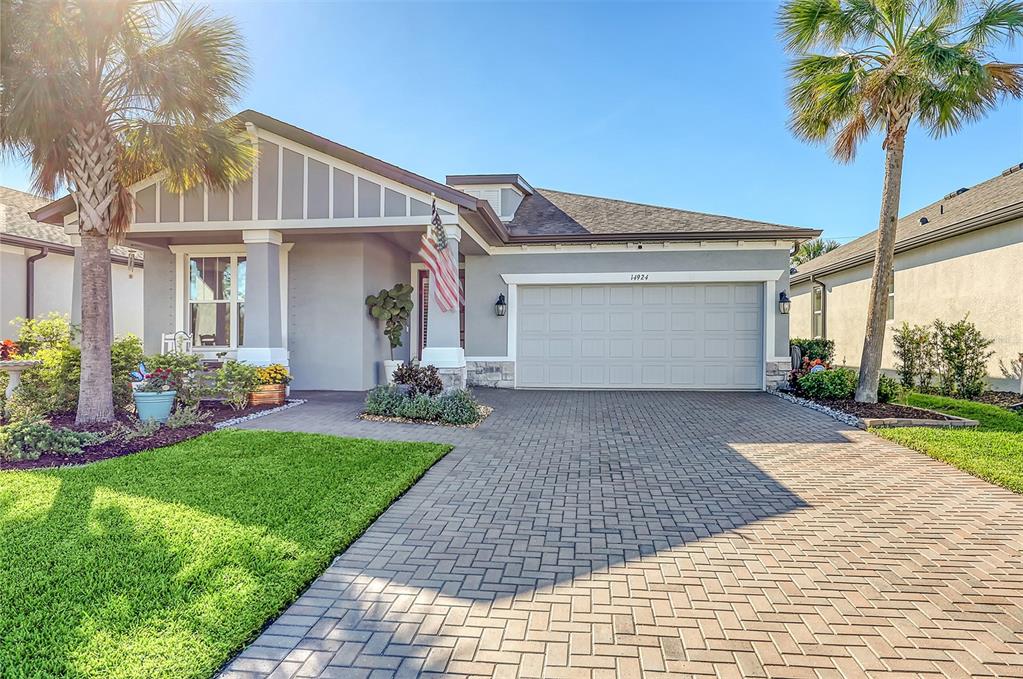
(641, 277)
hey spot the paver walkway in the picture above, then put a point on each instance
(627, 534)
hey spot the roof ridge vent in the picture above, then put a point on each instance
(957, 192)
(1014, 168)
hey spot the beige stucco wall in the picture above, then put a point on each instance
(977, 274)
(53, 275)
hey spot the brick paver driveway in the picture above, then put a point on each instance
(619, 534)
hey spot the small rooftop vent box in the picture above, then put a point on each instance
(504, 192)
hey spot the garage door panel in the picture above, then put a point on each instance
(680, 336)
(533, 296)
(620, 294)
(622, 321)
(748, 294)
(560, 321)
(592, 321)
(746, 321)
(533, 322)
(717, 320)
(621, 347)
(593, 295)
(654, 321)
(592, 347)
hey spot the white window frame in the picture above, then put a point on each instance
(232, 302)
(816, 314)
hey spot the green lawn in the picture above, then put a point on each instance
(993, 451)
(164, 563)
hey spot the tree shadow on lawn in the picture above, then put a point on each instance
(163, 563)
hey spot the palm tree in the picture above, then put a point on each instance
(879, 65)
(99, 94)
(812, 249)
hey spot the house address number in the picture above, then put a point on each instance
(640, 277)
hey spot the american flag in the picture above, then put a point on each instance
(441, 262)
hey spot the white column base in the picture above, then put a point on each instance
(263, 355)
(443, 357)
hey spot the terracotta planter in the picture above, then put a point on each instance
(268, 395)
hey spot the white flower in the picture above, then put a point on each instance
(166, 387)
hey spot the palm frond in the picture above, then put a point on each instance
(998, 20)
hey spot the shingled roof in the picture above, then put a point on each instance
(554, 214)
(991, 202)
(15, 222)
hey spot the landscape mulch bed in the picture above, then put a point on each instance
(163, 436)
(880, 410)
(1003, 399)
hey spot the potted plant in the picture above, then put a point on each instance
(273, 381)
(154, 394)
(393, 307)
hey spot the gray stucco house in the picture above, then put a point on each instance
(601, 294)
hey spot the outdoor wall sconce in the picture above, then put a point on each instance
(500, 307)
(784, 303)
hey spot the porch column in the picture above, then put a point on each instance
(443, 346)
(262, 343)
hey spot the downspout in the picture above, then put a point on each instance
(30, 281)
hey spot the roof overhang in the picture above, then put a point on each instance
(965, 226)
(56, 248)
(515, 180)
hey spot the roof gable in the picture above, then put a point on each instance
(990, 202)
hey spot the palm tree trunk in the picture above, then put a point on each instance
(93, 154)
(877, 310)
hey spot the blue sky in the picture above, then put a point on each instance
(679, 104)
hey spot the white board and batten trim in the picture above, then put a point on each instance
(769, 277)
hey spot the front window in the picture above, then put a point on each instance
(216, 299)
(817, 311)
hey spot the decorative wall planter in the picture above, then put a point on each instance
(268, 395)
(154, 405)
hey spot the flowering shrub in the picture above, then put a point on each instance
(8, 350)
(273, 374)
(805, 369)
(838, 383)
(161, 379)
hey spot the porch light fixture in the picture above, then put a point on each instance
(784, 303)
(500, 307)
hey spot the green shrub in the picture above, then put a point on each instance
(817, 348)
(187, 415)
(838, 383)
(384, 400)
(419, 407)
(50, 388)
(458, 407)
(28, 439)
(888, 389)
(125, 355)
(962, 354)
(235, 381)
(914, 355)
(51, 331)
(186, 369)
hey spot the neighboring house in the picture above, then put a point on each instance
(600, 293)
(960, 255)
(37, 269)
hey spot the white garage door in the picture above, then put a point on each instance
(644, 336)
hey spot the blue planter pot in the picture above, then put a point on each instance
(154, 405)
